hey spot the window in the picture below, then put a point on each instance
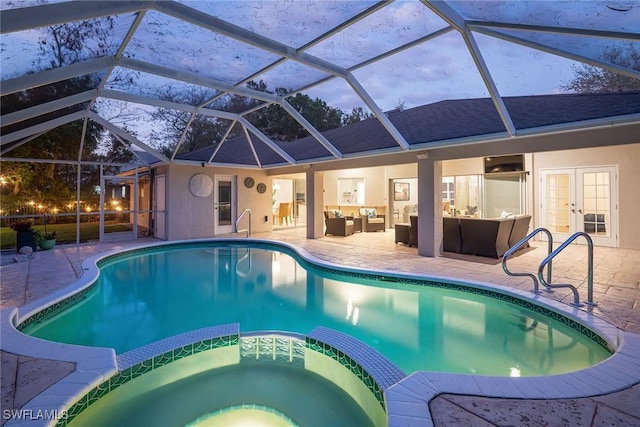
(351, 191)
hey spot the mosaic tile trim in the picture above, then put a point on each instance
(142, 367)
(371, 367)
(573, 324)
(56, 308)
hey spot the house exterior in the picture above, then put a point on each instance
(454, 138)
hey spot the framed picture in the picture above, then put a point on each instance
(401, 191)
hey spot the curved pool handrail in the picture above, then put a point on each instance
(248, 229)
(517, 246)
(576, 295)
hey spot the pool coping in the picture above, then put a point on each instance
(407, 401)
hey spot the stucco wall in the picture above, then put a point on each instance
(191, 217)
(627, 159)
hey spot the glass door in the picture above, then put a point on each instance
(160, 206)
(583, 199)
(118, 208)
(597, 202)
(224, 204)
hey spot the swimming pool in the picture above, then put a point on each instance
(98, 369)
(419, 324)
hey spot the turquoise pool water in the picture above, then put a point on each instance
(162, 292)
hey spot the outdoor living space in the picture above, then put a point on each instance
(416, 137)
(26, 278)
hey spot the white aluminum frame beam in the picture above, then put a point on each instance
(117, 131)
(573, 31)
(193, 78)
(140, 99)
(16, 145)
(42, 127)
(222, 141)
(380, 115)
(128, 147)
(311, 129)
(27, 18)
(558, 52)
(448, 14)
(47, 107)
(266, 140)
(253, 149)
(219, 26)
(42, 78)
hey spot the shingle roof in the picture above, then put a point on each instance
(437, 123)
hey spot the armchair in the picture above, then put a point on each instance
(337, 225)
(371, 221)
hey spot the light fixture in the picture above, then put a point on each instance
(423, 155)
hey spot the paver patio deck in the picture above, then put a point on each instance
(616, 289)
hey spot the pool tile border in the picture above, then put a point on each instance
(142, 360)
(330, 270)
(376, 371)
(407, 401)
(368, 365)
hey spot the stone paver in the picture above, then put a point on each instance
(616, 289)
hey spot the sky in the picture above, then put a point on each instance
(439, 69)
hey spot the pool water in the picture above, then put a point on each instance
(253, 394)
(160, 293)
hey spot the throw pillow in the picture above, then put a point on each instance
(371, 213)
(471, 210)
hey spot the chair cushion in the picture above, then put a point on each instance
(369, 212)
(375, 220)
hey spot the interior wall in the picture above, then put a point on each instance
(375, 186)
(191, 217)
(474, 166)
(626, 157)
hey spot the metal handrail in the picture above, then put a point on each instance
(246, 230)
(514, 248)
(576, 295)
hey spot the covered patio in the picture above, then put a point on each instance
(176, 101)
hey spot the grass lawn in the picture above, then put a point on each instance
(66, 233)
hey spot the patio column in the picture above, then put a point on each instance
(315, 199)
(429, 206)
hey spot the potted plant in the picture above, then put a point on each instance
(25, 236)
(45, 240)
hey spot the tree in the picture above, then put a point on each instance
(195, 132)
(590, 79)
(55, 184)
(273, 120)
(357, 114)
(278, 124)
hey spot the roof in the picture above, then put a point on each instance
(463, 70)
(442, 122)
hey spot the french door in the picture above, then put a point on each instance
(224, 204)
(581, 199)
